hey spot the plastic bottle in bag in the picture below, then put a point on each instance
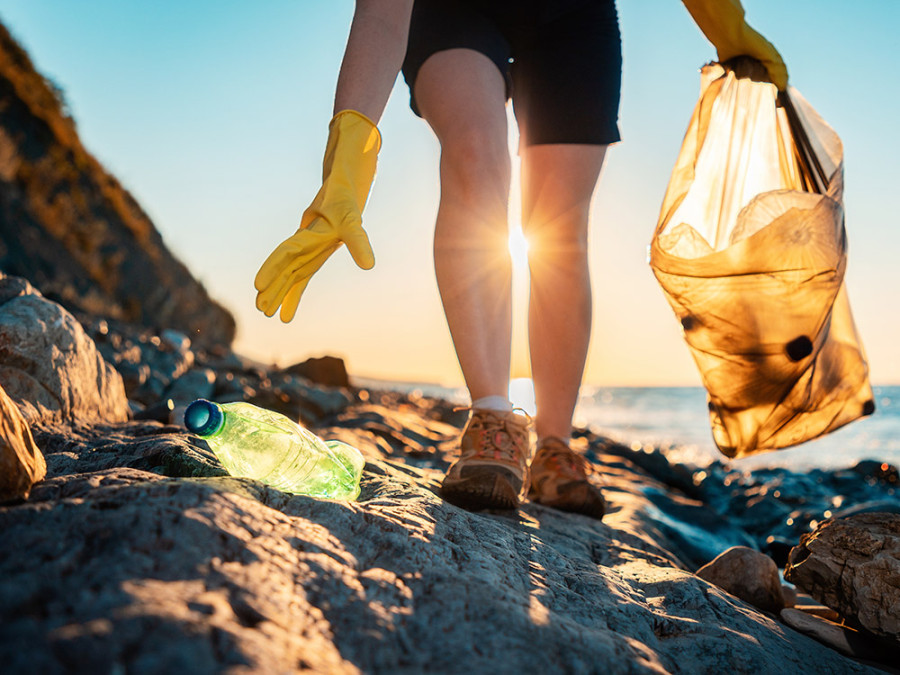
(253, 442)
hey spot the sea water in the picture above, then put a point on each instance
(677, 420)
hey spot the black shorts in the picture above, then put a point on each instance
(562, 60)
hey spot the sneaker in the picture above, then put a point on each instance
(493, 462)
(559, 479)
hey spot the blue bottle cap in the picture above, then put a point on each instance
(203, 417)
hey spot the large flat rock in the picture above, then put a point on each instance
(110, 568)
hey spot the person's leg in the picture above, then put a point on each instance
(557, 184)
(462, 95)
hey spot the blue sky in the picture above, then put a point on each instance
(214, 114)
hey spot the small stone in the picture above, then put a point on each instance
(818, 628)
(327, 370)
(750, 575)
(843, 638)
(176, 340)
(821, 611)
(789, 595)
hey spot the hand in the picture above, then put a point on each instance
(284, 275)
(723, 23)
(334, 217)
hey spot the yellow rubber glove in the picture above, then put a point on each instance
(722, 22)
(334, 217)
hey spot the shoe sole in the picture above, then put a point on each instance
(480, 492)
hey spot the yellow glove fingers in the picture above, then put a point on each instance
(269, 298)
(285, 258)
(358, 244)
(274, 264)
(300, 270)
(292, 300)
(292, 253)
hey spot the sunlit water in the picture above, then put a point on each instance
(676, 418)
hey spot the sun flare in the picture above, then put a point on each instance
(518, 248)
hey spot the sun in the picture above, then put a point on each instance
(518, 248)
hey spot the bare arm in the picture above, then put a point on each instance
(374, 54)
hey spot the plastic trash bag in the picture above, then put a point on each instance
(750, 251)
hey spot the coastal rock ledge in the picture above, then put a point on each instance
(121, 569)
(139, 554)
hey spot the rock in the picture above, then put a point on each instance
(327, 370)
(49, 366)
(72, 229)
(789, 595)
(142, 445)
(777, 506)
(149, 363)
(822, 611)
(194, 384)
(842, 638)
(181, 568)
(297, 398)
(21, 461)
(175, 340)
(853, 566)
(878, 506)
(211, 574)
(816, 627)
(750, 575)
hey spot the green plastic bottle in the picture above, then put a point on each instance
(253, 442)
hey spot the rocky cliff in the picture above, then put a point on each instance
(71, 229)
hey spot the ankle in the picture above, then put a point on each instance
(495, 403)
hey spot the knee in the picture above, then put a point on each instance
(475, 163)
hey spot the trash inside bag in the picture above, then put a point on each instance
(750, 251)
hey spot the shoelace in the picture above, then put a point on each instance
(493, 423)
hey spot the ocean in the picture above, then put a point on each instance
(675, 419)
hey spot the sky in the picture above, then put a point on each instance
(214, 114)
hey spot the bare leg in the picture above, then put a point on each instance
(557, 184)
(461, 94)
